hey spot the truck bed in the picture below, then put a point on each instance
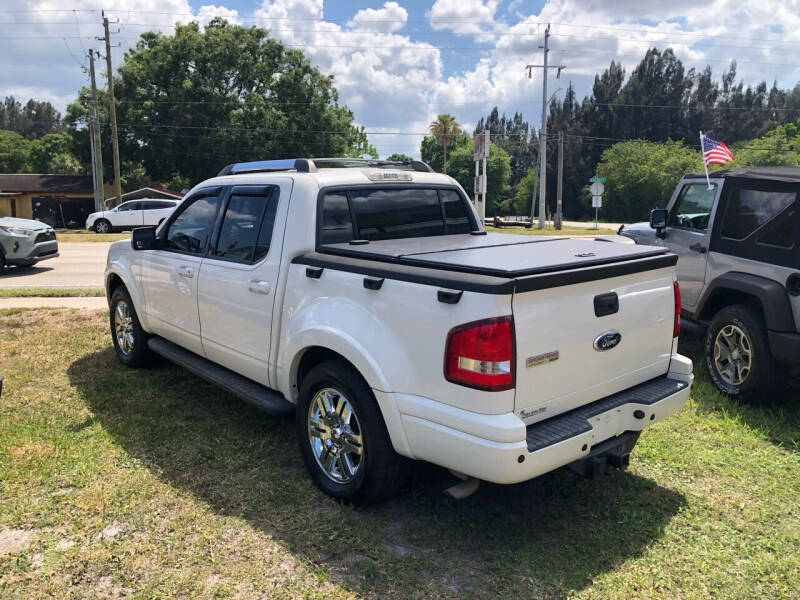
(494, 263)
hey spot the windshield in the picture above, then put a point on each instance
(393, 213)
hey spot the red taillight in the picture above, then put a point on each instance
(676, 327)
(481, 355)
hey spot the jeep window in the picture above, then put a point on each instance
(693, 208)
(781, 232)
(336, 226)
(246, 229)
(190, 229)
(749, 209)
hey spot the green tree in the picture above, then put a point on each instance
(399, 157)
(523, 197)
(444, 129)
(51, 154)
(14, 152)
(778, 147)
(641, 175)
(191, 102)
(31, 120)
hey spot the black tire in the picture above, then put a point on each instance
(138, 354)
(2, 262)
(764, 378)
(380, 471)
(102, 226)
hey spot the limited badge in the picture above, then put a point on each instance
(540, 359)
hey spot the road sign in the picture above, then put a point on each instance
(597, 201)
(597, 179)
(597, 188)
(481, 145)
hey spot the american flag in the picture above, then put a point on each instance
(714, 152)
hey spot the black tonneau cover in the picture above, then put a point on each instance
(495, 254)
(491, 264)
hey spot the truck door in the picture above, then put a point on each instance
(170, 273)
(688, 233)
(239, 276)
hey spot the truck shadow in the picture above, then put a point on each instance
(543, 538)
(776, 417)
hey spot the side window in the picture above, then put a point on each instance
(190, 230)
(780, 234)
(130, 206)
(749, 209)
(336, 226)
(456, 214)
(246, 229)
(693, 207)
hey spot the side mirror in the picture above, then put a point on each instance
(658, 220)
(144, 238)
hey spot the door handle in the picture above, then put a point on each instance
(258, 286)
(185, 271)
(698, 248)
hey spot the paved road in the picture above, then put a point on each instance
(79, 265)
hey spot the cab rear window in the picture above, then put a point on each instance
(392, 213)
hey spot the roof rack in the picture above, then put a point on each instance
(307, 165)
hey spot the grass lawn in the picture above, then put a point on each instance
(51, 292)
(82, 235)
(550, 230)
(154, 484)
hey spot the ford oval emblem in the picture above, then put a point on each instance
(607, 341)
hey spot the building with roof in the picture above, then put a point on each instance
(145, 192)
(58, 200)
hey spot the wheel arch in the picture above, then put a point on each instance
(115, 277)
(767, 297)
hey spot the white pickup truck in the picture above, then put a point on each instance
(365, 297)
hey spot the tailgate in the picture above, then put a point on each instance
(563, 358)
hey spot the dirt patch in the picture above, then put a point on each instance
(14, 540)
(30, 450)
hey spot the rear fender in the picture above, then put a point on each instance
(122, 271)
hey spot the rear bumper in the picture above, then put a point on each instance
(543, 446)
(785, 347)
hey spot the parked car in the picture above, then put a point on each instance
(131, 214)
(738, 243)
(24, 242)
(371, 301)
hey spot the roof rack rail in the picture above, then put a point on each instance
(307, 165)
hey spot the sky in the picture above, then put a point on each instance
(397, 64)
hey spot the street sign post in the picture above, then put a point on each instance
(597, 188)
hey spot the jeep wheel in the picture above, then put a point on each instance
(343, 438)
(738, 356)
(102, 226)
(130, 340)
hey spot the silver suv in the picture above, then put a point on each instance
(738, 242)
(24, 242)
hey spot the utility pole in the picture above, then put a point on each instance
(559, 214)
(543, 131)
(112, 111)
(94, 130)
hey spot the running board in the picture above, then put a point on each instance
(241, 387)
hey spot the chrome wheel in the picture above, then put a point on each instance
(123, 327)
(101, 227)
(733, 355)
(334, 433)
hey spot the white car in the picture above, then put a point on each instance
(134, 213)
(368, 299)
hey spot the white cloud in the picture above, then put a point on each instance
(384, 20)
(206, 13)
(471, 17)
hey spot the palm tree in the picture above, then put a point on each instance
(444, 130)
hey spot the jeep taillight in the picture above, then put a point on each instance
(481, 354)
(676, 326)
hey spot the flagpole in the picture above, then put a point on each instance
(705, 164)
